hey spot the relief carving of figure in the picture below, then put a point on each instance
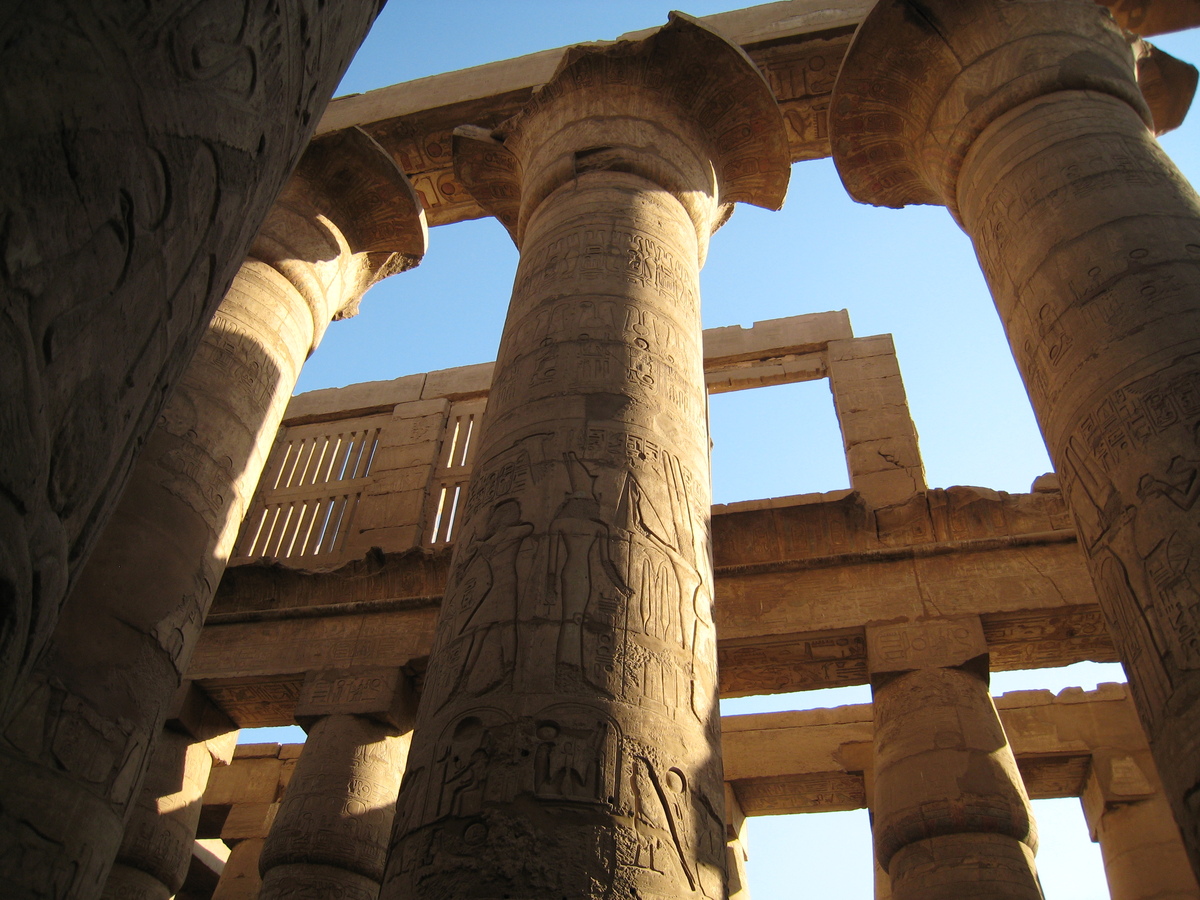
(1171, 565)
(581, 564)
(660, 812)
(465, 768)
(488, 593)
(573, 757)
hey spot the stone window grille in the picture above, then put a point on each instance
(457, 459)
(310, 490)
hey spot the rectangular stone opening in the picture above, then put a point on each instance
(776, 441)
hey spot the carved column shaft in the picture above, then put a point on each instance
(330, 838)
(160, 831)
(153, 859)
(1025, 119)
(1129, 817)
(1099, 289)
(568, 738)
(129, 626)
(142, 148)
(135, 179)
(951, 818)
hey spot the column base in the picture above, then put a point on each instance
(975, 865)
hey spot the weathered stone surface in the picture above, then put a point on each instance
(346, 218)
(137, 168)
(1029, 126)
(798, 45)
(570, 701)
(330, 837)
(156, 850)
(135, 177)
(950, 812)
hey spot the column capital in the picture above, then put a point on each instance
(685, 108)
(922, 80)
(1116, 777)
(346, 202)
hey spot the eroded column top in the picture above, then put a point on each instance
(347, 218)
(684, 108)
(921, 81)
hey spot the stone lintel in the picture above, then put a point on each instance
(924, 644)
(799, 45)
(383, 694)
(729, 353)
(1035, 602)
(812, 761)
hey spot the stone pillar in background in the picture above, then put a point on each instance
(1129, 817)
(330, 837)
(1025, 120)
(143, 145)
(568, 740)
(155, 853)
(736, 854)
(951, 817)
(240, 879)
(81, 737)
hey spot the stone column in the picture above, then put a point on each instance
(152, 861)
(81, 736)
(568, 737)
(1129, 817)
(1025, 120)
(330, 837)
(951, 817)
(736, 855)
(143, 146)
(240, 879)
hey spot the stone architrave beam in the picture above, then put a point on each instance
(796, 585)
(798, 45)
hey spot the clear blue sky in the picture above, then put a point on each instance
(911, 273)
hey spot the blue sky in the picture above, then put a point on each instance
(911, 273)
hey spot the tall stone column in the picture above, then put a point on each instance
(1025, 120)
(951, 818)
(156, 850)
(143, 146)
(82, 735)
(736, 855)
(568, 738)
(330, 838)
(1128, 816)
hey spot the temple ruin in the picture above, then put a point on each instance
(499, 598)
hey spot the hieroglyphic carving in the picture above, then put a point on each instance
(808, 792)
(792, 663)
(574, 664)
(338, 809)
(1082, 226)
(258, 702)
(802, 78)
